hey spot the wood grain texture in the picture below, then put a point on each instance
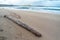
(21, 24)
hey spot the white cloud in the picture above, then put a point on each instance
(9, 1)
(20, 2)
(51, 3)
(16, 1)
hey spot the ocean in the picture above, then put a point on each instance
(50, 9)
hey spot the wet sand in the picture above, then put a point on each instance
(47, 24)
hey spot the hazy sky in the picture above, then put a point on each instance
(20, 2)
(17, 1)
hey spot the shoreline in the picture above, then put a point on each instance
(41, 11)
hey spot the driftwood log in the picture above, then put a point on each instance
(20, 23)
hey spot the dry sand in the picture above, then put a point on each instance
(47, 24)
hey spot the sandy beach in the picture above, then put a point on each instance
(45, 23)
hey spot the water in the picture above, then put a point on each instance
(56, 10)
(47, 9)
(44, 8)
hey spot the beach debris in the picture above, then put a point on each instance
(1, 30)
(2, 38)
(22, 24)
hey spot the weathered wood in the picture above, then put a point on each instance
(20, 23)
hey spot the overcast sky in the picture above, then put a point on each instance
(20, 2)
(17, 1)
